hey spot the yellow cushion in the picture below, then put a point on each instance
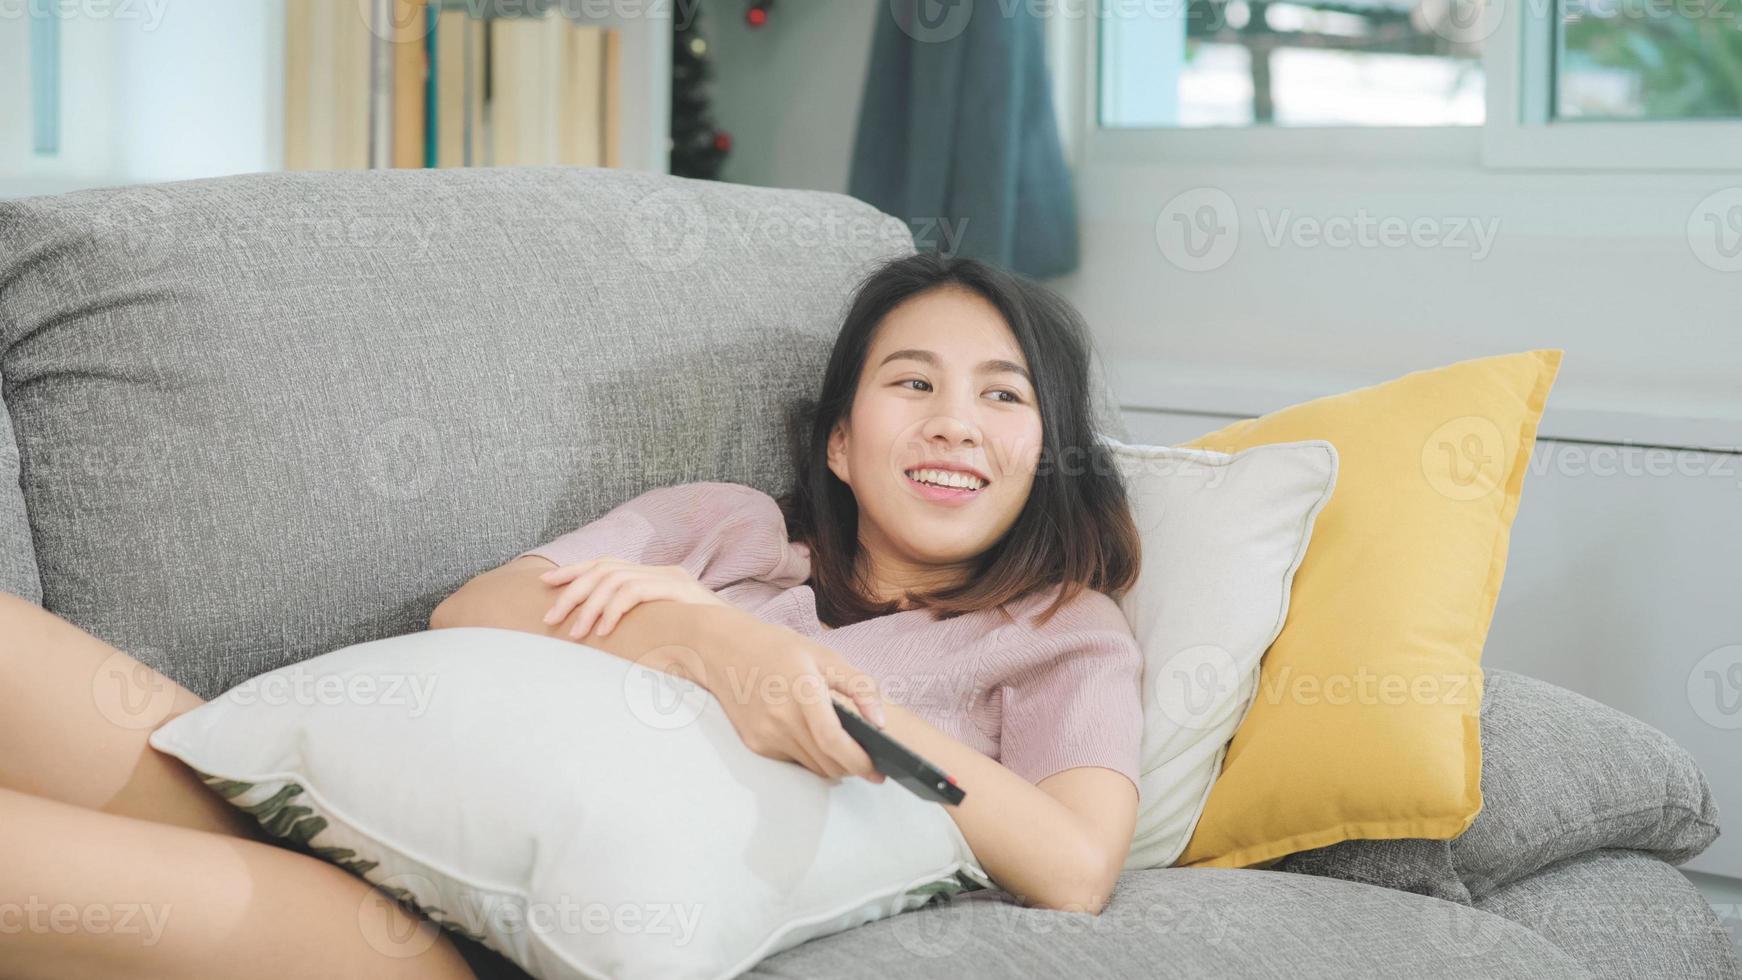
(1365, 720)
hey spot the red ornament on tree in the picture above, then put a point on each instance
(723, 141)
(756, 16)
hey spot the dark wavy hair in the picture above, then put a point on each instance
(1076, 528)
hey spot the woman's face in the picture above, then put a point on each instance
(945, 383)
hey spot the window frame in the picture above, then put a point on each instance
(1517, 62)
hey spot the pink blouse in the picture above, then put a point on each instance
(1038, 699)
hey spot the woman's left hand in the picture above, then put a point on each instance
(607, 588)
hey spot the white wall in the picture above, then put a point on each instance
(151, 91)
(789, 92)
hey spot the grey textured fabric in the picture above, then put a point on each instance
(264, 416)
(1187, 923)
(17, 553)
(268, 415)
(1622, 914)
(1171, 922)
(1561, 775)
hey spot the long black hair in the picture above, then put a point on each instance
(1076, 528)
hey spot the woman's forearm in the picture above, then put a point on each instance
(654, 634)
(1029, 843)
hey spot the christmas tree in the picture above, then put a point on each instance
(698, 147)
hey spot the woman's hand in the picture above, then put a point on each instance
(777, 688)
(606, 588)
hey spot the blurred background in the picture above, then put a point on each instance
(1254, 202)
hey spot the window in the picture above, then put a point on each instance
(1536, 84)
(1649, 59)
(1290, 63)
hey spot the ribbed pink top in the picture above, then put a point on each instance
(1037, 699)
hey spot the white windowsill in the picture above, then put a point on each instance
(1149, 385)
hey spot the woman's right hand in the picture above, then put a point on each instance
(777, 688)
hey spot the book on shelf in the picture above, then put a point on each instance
(462, 90)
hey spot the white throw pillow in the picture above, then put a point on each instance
(581, 814)
(1222, 536)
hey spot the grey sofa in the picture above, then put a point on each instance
(251, 419)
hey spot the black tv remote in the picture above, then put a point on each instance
(896, 761)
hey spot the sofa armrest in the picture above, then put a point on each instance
(1562, 775)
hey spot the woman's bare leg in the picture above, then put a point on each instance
(99, 825)
(74, 716)
(85, 894)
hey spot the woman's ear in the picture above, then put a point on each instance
(838, 452)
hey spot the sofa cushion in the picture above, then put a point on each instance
(1366, 721)
(1622, 914)
(268, 415)
(1187, 923)
(17, 555)
(446, 767)
(1561, 775)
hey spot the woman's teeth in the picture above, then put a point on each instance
(946, 478)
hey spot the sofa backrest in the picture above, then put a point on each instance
(263, 416)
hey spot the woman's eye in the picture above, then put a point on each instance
(1012, 399)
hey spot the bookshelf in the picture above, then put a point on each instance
(445, 83)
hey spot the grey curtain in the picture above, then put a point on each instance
(957, 134)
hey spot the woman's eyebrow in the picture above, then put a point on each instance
(986, 367)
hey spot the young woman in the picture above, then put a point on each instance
(944, 563)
